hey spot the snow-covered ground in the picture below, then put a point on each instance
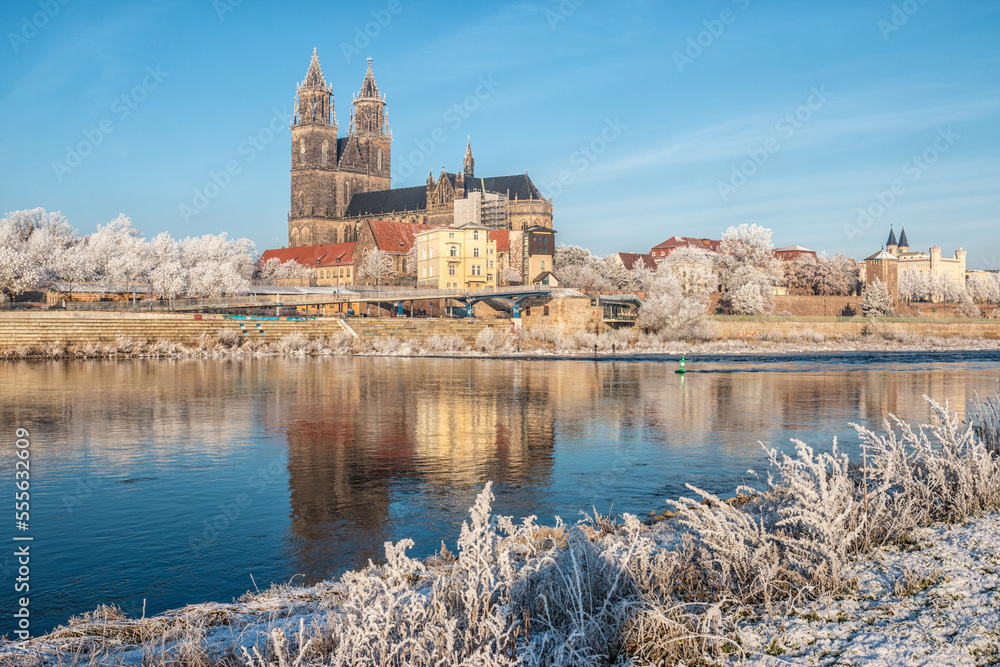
(934, 601)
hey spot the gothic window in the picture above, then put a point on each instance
(378, 159)
(302, 151)
(347, 192)
(334, 239)
(326, 146)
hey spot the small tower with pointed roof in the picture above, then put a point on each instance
(469, 164)
(904, 245)
(891, 246)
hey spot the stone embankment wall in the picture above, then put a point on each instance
(726, 328)
(79, 328)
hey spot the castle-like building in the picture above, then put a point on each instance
(340, 183)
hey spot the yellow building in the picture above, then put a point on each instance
(456, 257)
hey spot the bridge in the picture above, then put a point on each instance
(507, 299)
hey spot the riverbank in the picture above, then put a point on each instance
(55, 334)
(489, 343)
(891, 564)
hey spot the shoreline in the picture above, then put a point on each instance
(130, 349)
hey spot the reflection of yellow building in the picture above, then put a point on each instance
(456, 257)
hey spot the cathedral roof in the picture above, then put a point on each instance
(396, 200)
(368, 87)
(902, 237)
(518, 186)
(314, 77)
(892, 238)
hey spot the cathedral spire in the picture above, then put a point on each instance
(903, 243)
(892, 238)
(369, 90)
(314, 77)
(469, 165)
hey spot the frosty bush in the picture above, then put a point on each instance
(491, 340)
(877, 301)
(445, 343)
(293, 342)
(229, 337)
(968, 309)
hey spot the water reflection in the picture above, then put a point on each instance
(133, 459)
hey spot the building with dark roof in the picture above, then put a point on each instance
(339, 183)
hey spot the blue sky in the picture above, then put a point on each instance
(826, 122)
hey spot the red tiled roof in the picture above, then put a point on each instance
(502, 238)
(631, 259)
(674, 242)
(395, 237)
(327, 254)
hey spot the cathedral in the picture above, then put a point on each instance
(340, 183)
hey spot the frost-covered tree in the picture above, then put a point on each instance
(511, 276)
(616, 273)
(576, 267)
(746, 265)
(376, 267)
(821, 275)
(694, 269)
(668, 309)
(917, 285)
(274, 270)
(984, 287)
(217, 266)
(17, 272)
(877, 301)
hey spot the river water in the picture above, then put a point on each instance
(169, 482)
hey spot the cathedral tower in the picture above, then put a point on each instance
(365, 163)
(314, 161)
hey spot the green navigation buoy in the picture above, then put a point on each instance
(681, 369)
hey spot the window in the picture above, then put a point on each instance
(475, 252)
(323, 150)
(451, 235)
(489, 277)
(543, 265)
(302, 151)
(378, 159)
(425, 272)
(475, 235)
(545, 310)
(477, 270)
(432, 253)
(490, 251)
(432, 270)
(451, 269)
(453, 250)
(425, 253)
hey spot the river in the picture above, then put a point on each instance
(160, 483)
